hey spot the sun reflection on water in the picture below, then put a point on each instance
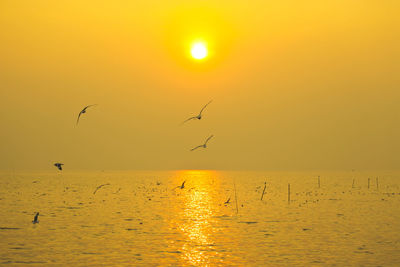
(198, 209)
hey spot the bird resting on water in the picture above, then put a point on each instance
(35, 219)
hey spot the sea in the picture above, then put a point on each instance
(200, 218)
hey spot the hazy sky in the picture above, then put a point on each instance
(296, 84)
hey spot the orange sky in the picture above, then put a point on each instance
(295, 84)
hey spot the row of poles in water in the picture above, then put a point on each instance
(319, 186)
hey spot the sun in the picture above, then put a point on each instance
(199, 51)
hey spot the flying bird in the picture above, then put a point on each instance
(100, 186)
(59, 165)
(181, 186)
(198, 116)
(83, 111)
(227, 202)
(35, 219)
(203, 145)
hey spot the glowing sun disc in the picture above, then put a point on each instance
(198, 51)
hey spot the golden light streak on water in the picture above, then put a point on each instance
(198, 211)
(143, 219)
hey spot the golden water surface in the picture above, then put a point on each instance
(145, 218)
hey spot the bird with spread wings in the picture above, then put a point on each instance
(83, 111)
(203, 145)
(181, 186)
(198, 116)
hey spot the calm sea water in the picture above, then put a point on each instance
(141, 218)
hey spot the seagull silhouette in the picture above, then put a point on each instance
(100, 186)
(35, 220)
(203, 145)
(83, 111)
(181, 186)
(198, 116)
(59, 165)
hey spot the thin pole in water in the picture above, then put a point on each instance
(377, 184)
(237, 209)
(319, 182)
(368, 182)
(13, 169)
(352, 186)
(288, 196)
(265, 186)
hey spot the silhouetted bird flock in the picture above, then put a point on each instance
(199, 116)
(59, 165)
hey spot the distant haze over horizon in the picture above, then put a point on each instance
(296, 85)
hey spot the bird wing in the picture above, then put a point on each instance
(83, 110)
(89, 106)
(196, 147)
(59, 165)
(100, 186)
(204, 107)
(80, 113)
(208, 139)
(191, 118)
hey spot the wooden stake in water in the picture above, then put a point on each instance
(352, 186)
(377, 184)
(265, 186)
(13, 168)
(237, 209)
(368, 182)
(288, 193)
(319, 182)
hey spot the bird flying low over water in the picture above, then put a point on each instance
(203, 145)
(35, 219)
(83, 111)
(181, 186)
(59, 165)
(100, 186)
(198, 116)
(227, 202)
